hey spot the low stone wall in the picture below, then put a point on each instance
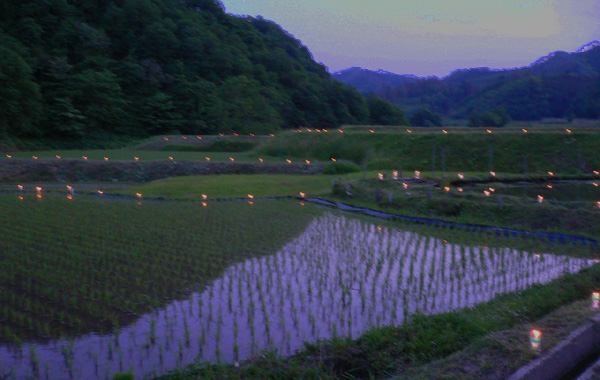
(66, 170)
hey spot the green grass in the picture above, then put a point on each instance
(71, 267)
(556, 151)
(259, 185)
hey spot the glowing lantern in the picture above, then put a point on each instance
(409, 131)
(395, 174)
(302, 195)
(34, 157)
(8, 156)
(488, 130)
(551, 173)
(207, 158)
(301, 203)
(380, 176)
(550, 186)
(535, 337)
(325, 130)
(252, 134)
(340, 131)
(204, 204)
(333, 159)
(261, 160)
(524, 130)
(204, 196)
(100, 192)
(307, 162)
(493, 174)
(70, 197)
(136, 158)
(272, 135)
(595, 300)
(405, 185)
(540, 199)
(308, 129)
(445, 131)
(491, 189)
(460, 189)
(20, 187)
(139, 195)
(372, 131)
(568, 130)
(250, 196)
(288, 160)
(595, 184)
(199, 137)
(70, 189)
(461, 176)
(232, 159)
(171, 158)
(21, 197)
(84, 157)
(487, 193)
(235, 134)
(318, 130)
(379, 228)
(417, 174)
(596, 172)
(166, 139)
(57, 156)
(38, 190)
(105, 158)
(447, 189)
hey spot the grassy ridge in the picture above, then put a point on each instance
(556, 151)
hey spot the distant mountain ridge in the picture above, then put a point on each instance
(560, 84)
(370, 82)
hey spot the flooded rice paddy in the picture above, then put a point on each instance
(340, 277)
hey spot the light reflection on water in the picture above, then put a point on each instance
(342, 276)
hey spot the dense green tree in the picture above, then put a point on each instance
(382, 112)
(20, 99)
(424, 117)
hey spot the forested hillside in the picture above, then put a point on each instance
(73, 69)
(561, 85)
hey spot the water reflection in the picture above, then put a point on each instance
(342, 276)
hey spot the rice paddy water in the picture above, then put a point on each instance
(341, 276)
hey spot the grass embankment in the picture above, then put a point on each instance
(544, 151)
(71, 267)
(495, 331)
(575, 217)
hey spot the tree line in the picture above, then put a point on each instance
(72, 69)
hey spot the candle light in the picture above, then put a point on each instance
(57, 156)
(550, 186)
(166, 138)
(8, 156)
(488, 130)
(272, 135)
(395, 174)
(302, 195)
(568, 130)
(184, 137)
(204, 204)
(460, 189)
(405, 185)
(171, 158)
(250, 196)
(540, 199)
(288, 160)
(84, 157)
(445, 131)
(595, 300)
(524, 130)
(535, 337)
(261, 160)
(232, 159)
(487, 193)
(199, 137)
(372, 131)
(551, 173)
(207, 158)
(340, 131)
(447, 189)
(38, 191)
(307, 162)
(204, 196)
(417, 174)
(333, 159)
(461, 176)
(105, 158)
(380, 176)
(493, 174)
(136, 158)
(34, 157)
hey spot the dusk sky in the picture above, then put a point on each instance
(430, 37)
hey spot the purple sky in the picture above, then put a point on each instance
(430, 37)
